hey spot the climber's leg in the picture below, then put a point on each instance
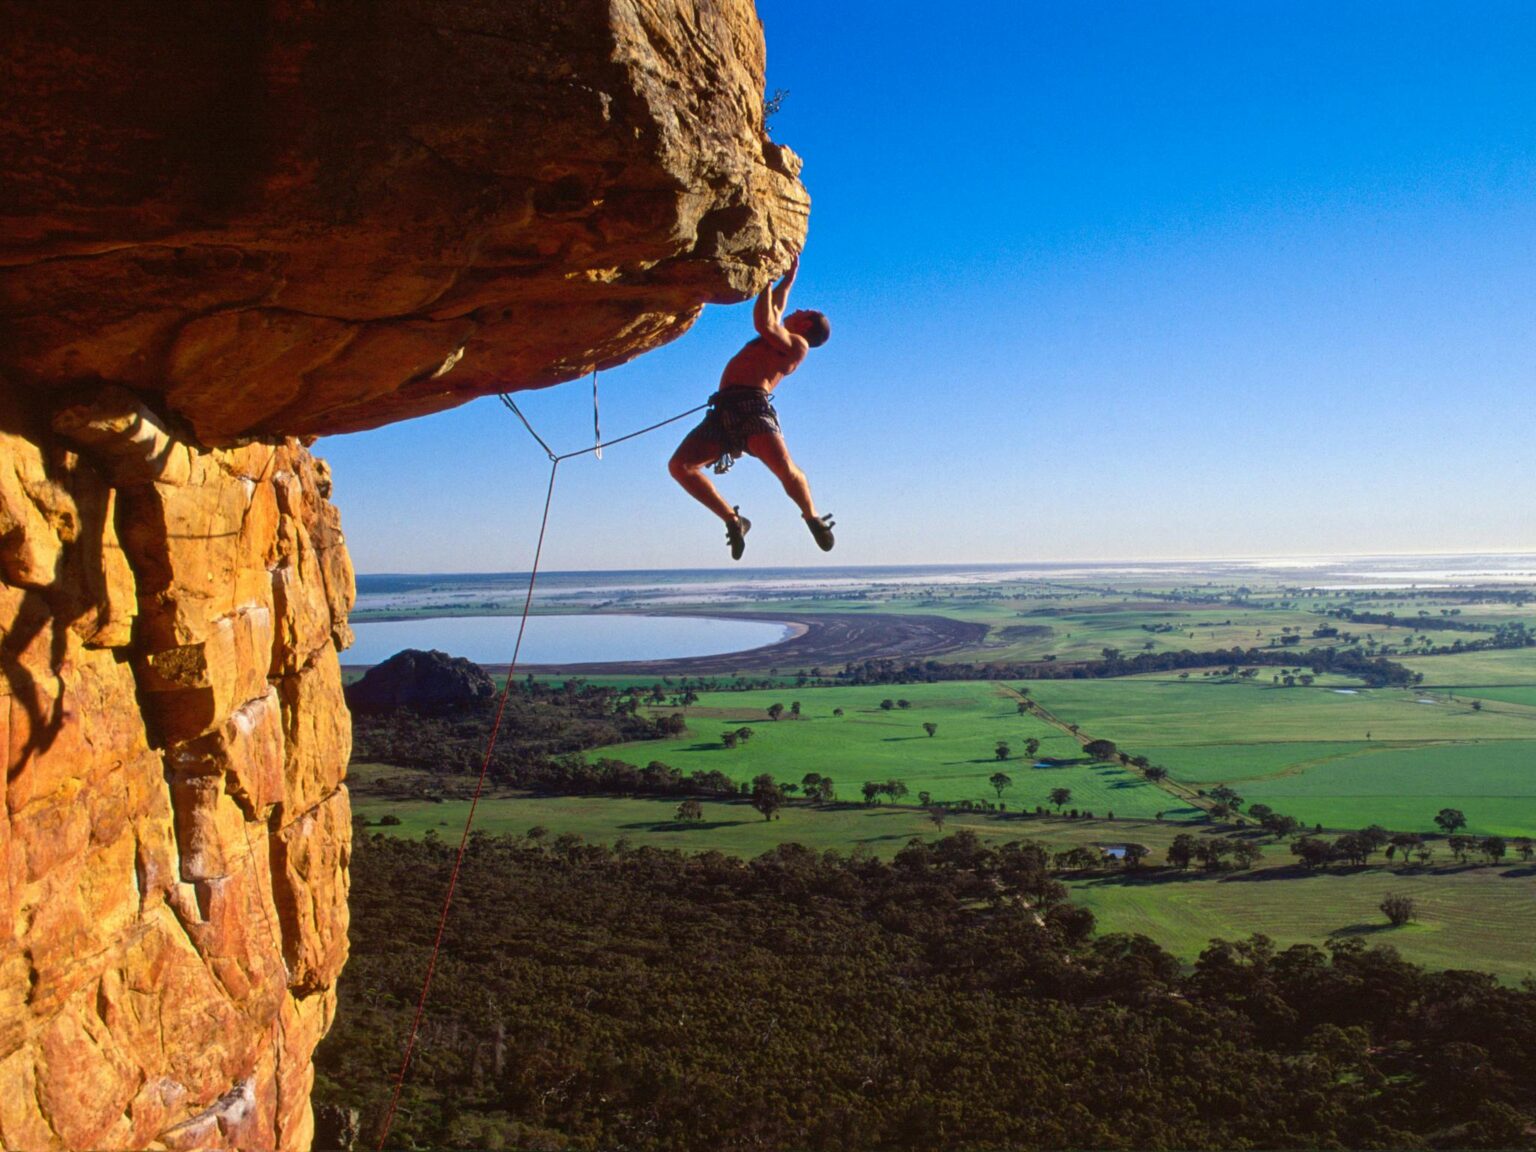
(771, 450)
(687, 466)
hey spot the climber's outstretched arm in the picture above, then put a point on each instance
(781, 291)
(768, 312)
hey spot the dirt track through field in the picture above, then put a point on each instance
(829, 640)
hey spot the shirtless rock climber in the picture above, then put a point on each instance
(741, 419)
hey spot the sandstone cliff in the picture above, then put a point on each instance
(223, 227)
(173, 909)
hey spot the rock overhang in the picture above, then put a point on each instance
(286, 219)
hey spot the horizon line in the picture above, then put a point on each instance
(988, 564)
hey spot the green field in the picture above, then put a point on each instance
(869, 743)
(1342, 758)
(1501, 667)
(1482, 918)
(1339, 756)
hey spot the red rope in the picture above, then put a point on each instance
(458, 861)
(501, 706)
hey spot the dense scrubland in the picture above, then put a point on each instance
(951, 997)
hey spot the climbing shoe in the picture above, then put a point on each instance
(822, 530)
(736, 534)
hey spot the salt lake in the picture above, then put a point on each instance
(574, 639)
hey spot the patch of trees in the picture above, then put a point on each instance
(1357, 848)
(875, 791)
(544, 732)
(953, 997)
(1213, 853)
(1376, 671)
(542, 722)
(577, 776)
(1422, 622)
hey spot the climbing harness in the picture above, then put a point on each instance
(555, 459)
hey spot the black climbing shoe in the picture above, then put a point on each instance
(736, 534)
(822, 530)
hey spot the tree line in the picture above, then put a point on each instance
(1376, 671)
(595, 997)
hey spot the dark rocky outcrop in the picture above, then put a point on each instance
(418, 679)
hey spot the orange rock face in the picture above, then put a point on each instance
(176, 826)
(299, 218)
(223, 227)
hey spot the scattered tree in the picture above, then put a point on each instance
(1245, 853)
(1060, 797)
(1312, 852)
(1182, 850)
(1405, 844)
(930, 727)
(1224, 794)
(1450, 820)
(1000, 781)
(767, 796)
(1002, 751)
(1398, 909)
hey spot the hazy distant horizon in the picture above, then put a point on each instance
(1297, 560)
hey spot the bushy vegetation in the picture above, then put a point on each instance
(1376, 671)
(597, 998)
(543, 727)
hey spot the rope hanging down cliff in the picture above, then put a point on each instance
(555, 459)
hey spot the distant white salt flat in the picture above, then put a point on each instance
(458, 592)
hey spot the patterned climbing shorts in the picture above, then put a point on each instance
(734, 415)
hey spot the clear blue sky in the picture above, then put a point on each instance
(1107, 281)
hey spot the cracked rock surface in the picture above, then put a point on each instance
(284, 218)
(173, 908)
